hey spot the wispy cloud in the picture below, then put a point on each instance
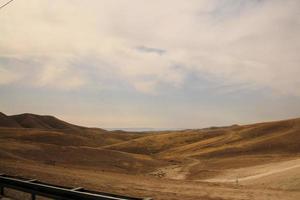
(151, 50)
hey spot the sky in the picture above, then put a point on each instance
(151, 63)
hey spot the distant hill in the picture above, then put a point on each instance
(6, 121)
(28, 120)
(272, 137)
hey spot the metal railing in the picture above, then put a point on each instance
(37, 188)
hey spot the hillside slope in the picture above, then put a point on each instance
(6, 121)
(281, 137)
(28, 120)
(42, 121)
(193, 155)
(48, 140)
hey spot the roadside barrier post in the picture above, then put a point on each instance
(1, 190)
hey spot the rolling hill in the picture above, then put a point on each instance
(282, 137)
(6, 121)
(265, 155)
(28, 120)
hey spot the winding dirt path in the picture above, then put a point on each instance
(250, 173)
(177, 172)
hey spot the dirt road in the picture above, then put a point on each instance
(256, 172)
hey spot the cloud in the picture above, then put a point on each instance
(151, 50)
(146, 44)
(58, 76)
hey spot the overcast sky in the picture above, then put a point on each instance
(151, 63)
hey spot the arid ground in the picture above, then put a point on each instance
(242, 162)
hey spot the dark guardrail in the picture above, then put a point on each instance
(37, 188)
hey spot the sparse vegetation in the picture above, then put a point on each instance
(203, 163)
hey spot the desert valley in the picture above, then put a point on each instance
(242, 162)
(149, 100)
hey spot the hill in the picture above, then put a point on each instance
(28, 120)
(263, 155)
(6, 121)
(218, 154)
(263, 138)
(46, 139)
